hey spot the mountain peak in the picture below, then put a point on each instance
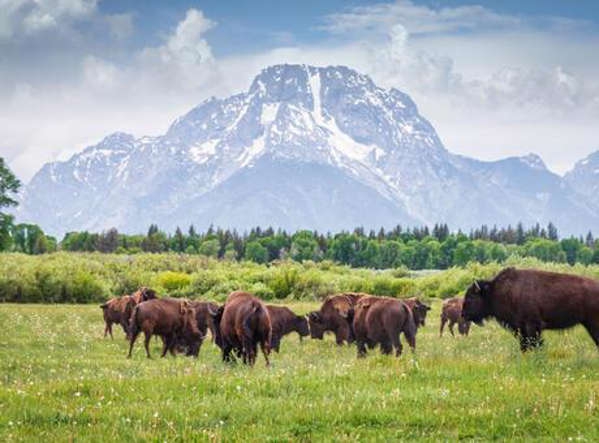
(354, 142)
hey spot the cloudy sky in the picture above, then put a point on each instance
(496, 78)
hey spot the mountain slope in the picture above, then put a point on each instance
(304, 147)
(584, 177)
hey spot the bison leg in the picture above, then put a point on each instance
(265, 351)
(131, 343)
(167, 344)
(443, 322)
(593, 330)
(387, 347)
(108, 330)
(147, 343)
(361, 348)
(451, 325)
(275, 344)
(411, 338)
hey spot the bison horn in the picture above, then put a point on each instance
(476, 285)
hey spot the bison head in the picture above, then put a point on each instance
(216, 315)
(419, 311)
(316, 325)
(301, 326)
(147, 294)
(477, 303)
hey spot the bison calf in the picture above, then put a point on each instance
(117, 310)
(452, 313)
(168, 318)
(381, 320)
(527, 301)
(283, 322)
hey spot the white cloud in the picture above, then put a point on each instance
(27, 17)
(420, 19)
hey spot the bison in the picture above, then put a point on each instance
(204, 322)
(169, 318)
(381, 320)
(244, 323)
(452, 312)
(335, 315)
(528, 301)
(283, 322)
(419, 310)
(117, 310)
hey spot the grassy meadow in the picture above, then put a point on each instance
(62, 381)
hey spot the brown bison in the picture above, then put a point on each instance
(117, 310)
(528, 301)
(283, 322)
(419, 310)
(169, 318)
(380, 320)
(244, 323)
(452, 313)
(204, 322)
(335, 315)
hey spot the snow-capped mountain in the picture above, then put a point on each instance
(304, 147)
(584, 177)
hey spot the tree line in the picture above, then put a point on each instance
(414, 248)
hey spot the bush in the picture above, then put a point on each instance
(172, 281)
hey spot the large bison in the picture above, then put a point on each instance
(380, 320)
(169, 318)
(244, 324)
(335, 315)
(283, 322)
(528, 301)
(452, 312)
(419, 310)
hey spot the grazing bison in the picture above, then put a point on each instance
(452, 313)
(283, 322)
(335, 315)
(204, 322)
(528, 301)
(244, 323)
(419, 310)
(380, 320)
(117, 310)
(169, 318)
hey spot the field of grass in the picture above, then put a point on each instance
(60, 380)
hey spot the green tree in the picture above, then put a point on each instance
(254, 251)
(9, 185)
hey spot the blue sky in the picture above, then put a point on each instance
(495, 78)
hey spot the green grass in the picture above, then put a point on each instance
(60, 380)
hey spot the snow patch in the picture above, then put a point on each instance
(201, 153)
(269, 113)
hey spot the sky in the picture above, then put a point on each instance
(495, 78)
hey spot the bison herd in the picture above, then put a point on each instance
(524, 301)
